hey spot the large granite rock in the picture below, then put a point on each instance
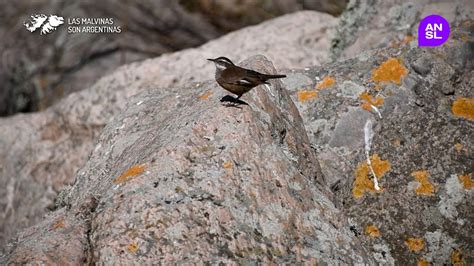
(371, 24)
(421, 149)
(40, 153)
(179, 178)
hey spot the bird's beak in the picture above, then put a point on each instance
(211, 59)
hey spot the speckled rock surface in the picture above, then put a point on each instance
(178, 178)
(40, 153)
(371, 24)
(423, 141)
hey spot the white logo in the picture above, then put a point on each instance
(47, 24)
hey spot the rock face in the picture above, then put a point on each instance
(40, 153)
(177, 178)
(370, 24)
(421, 149)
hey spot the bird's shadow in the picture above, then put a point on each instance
(230, 101)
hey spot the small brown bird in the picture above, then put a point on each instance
(236, 79)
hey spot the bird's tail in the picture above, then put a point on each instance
(274, 76)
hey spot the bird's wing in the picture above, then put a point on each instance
(251, 78)
(240, 77)
(244, 82)
(254, 74)
(256, 77)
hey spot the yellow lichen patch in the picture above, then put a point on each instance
(312, 262)
(132, 171)
(368, 100)
(206, 95)
(397, 142)
(425, 187)
(132, 247)
(326, 83)
(464, 107)
(458, 147)
(415, 244)
(305, 95)
(362, 182)
(464, 37)
(389, 71)
(227, 165)
(406, 40)
(423, 262)
(457, 259)
(372, 231)
(400, 43)
(466, 181)
(60, 223)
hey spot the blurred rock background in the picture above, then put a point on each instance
(36, 71)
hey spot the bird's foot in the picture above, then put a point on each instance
(231, 104)
(232, 101)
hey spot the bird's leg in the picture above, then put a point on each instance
(234, 102)
(237, 102)
(230, 102)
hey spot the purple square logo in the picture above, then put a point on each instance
(433, 31)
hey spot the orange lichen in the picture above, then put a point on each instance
(464, 37)
(132, 171)
(227, 165)
(458, 147)
(415, 244)
(389, 71)
(457, 259)
(326, 83)
(399, 43)
(425, 187)
(206, 95)
(423, 262)
(466, 181)
(132, 247)
(464, 107)
(406, 40)
(60, 223)
(397, 142)
(311, 262)
(372, 231)
(305, 95)
(362, 182)
(368, 100)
